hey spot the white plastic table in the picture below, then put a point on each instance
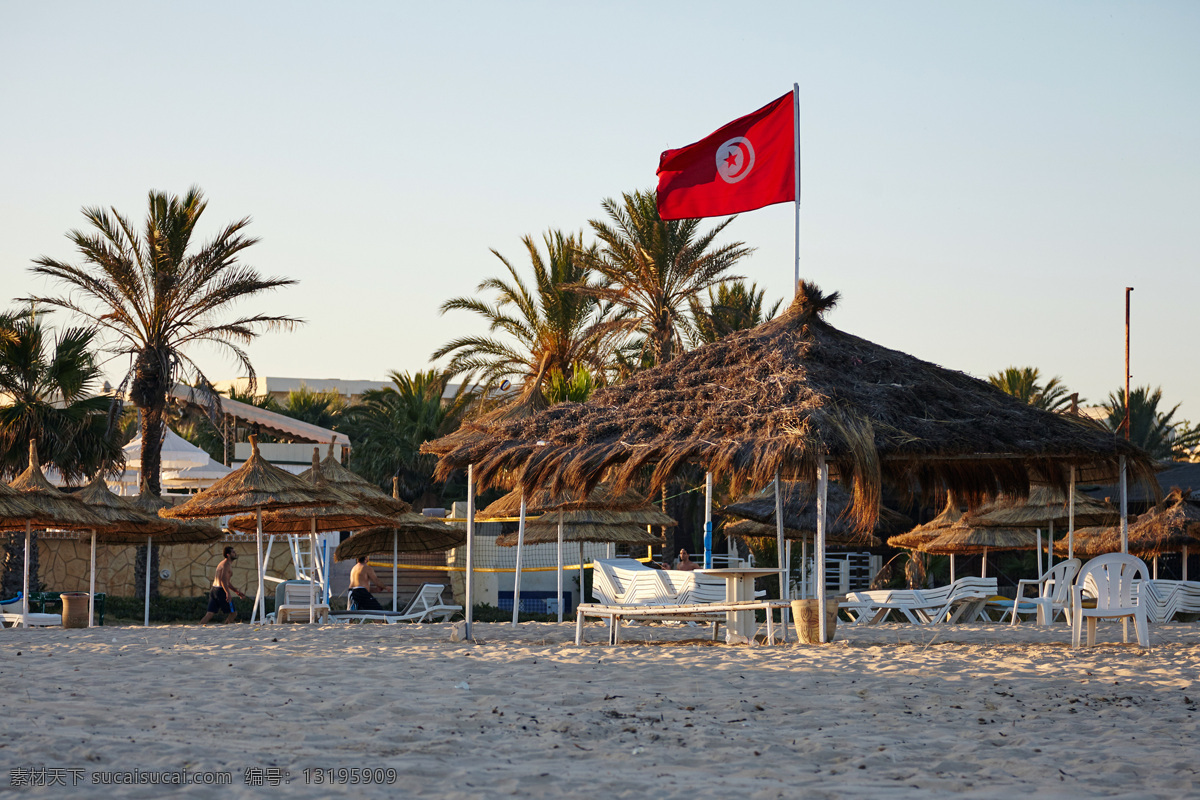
(739, 585)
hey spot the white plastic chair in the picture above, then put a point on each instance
(1054, 593)
(1113, 576)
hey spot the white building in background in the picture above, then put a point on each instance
(279, 388)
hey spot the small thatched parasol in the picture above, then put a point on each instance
(1171, 526)
(839, 537)
(589, 525)
(1090, 542)
(405, 533)
(15, 509)
(800, 513)
(53, 510)
(256, 486)
(960, 541)
(1044, 506)
(628, 506)
(923, 534)
(356, 486)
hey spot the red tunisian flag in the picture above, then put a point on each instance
(748, 164)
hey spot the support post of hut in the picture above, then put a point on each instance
(1071, 518)
(469, 590)
(1038, 533)
(560, 565)
(1050, 547)
(25, 576)
(395, 569)
(149, 565)
(312, 571)
(517, 571)
(783, 551)
(580, 600)
(259, 605)
(952, 567)
(92, 583)
(804, 568)
(1124, 508)
(1185, 556)
(822, 502)
(708, 527)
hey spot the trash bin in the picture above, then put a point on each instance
(75, 609)
(806, 614)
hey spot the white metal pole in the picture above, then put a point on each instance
(708, 526)
(517, 572)
(783, 550)
(1124, 510)
(1071, 518)
(952, 567)
(822, 502)
(312, 571)
(1039, 553)
(796, 155)
(580, 600)
(395, 569)
(1050, 547)
(469, 590)
(1185, 555)
(559, 571)
(804, 587)
(92, 583)
(1154, 574)
(259, 612)
(25, 585)
(149, 565)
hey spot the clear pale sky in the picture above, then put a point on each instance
(980, 180)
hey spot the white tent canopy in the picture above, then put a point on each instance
(177, 453)
(204, 474)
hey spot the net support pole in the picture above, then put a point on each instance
(708, 527)
(259, 612)
(1124, 509)
(469, 589)
(1071, 518)
(517, 573)
(822, 508)
(25, 576)
(149, 566)
(92, 583)
(580, 600)
(312, 570)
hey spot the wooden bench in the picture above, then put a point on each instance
(713, 613)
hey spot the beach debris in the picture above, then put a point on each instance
(466, 687)
(458, 631)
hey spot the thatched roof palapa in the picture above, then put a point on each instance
(126, 519)
(967, 541)
(55, 509)
(584, 526)
(777, 399)
(630, 505)
(257, 484)
(1043, 506)
(15, 509)
(1167, 527)
(800, 513)
(836, 535)
(406, 532)
(345, 515)
(349, 482)
(923, 534)
(185, 531)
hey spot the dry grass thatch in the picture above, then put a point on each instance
(254, 485)
(15, 509)
(1167, 527)
(923, 534)
(632, 505)
(966, 541)
(800, 512)
(780, 397)
(584, 526)
(412, 533)
(346, 515)
(182, 531)
(1043, 506)
(127, 520)
(837, 536)
(1090, 542)
(54, 508)
(358, 487)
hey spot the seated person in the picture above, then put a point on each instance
(362, 582)
(685, 562)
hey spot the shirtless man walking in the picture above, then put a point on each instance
(222, 588)
(362, 578)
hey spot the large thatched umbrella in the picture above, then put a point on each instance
(1170, 526)
(53, 509)
(793, 397)
(358, 487)
(1045, 507)
(136, 525)
(960, 540)
(256, 486)
(628, 506)
(345, 515)
(1092, 541)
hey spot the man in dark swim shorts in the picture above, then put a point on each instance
(218, 597)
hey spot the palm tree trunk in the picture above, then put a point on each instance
(153, 422)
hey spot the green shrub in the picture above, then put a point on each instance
(125, 610)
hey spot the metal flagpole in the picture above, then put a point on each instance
(822, 502)
(796, 154)
(517, 574)
(470, 571)
(708, 537)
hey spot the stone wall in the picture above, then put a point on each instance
(63, 566)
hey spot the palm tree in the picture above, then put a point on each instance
(546, 326)
(735, 307)
(316, 408)
(1152, 430)
(653, 268)
(389, 426)
(154, 299)
(1024, 383)
(50, 382)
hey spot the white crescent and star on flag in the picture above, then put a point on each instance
(735, 159)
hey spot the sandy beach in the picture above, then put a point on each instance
(886, 712)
